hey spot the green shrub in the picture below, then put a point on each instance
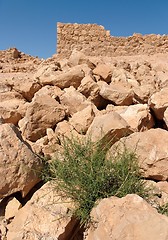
(163, 209)
(84, 174)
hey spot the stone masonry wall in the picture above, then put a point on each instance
(94, 40)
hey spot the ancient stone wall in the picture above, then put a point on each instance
(94, 40)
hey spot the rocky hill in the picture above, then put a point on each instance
(41, 101)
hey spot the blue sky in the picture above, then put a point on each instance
(30, 25)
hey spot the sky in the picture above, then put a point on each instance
(30, 25)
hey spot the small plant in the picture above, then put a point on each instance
(163, 209)
(84, 174)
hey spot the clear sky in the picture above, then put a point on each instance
(30, 25)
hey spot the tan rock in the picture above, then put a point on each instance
(44, 71)
(104, 71)
(10, 102)
(26, 87)
(78, 58)
(73, 100)
(19, 166)
(165, 118)
(44, 216)
(158, 102)
(151, 149)
(82, 120)
(138, 116)
(109, 128)
(127, 218)
(65, 129)
(42, 113)
(143, 93)
(90, 89)
(116, 93)
(12, 208)
(61, 79)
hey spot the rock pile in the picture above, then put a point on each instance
(105, 98)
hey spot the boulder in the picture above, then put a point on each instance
(42, 113)
(90, 89)
(12, 208)
(78, 58)
(82, 120)
(109, 128)
(165, 118)
(10, 102)
(158, 102)
(151, 149)
(73, 100)
(138, 116)
(116, 93)
(26, 87)
(45, 216)
(127, 218)
(19, 166)
(64, 79)
(104, 71)
(143, 93)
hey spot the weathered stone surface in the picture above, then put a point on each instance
(44, 216)
(73, 100)
(64, 79)
(110, 127)
(83, 119)
(127, 218)
(143, 93)
(10, 102)
(138, 116)
(151, 149)
(19, 166)
(26, 87)
(116, 93)
(90, 89)
(42, 113)
(12, 208)
(104, 71)
(78, 58)
(165, 118)
(158, 102)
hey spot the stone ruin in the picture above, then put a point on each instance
(94, 40)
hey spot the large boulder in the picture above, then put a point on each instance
(127, 218)
(10, 103)
(90, 89)
(82, 120)
(138, 116)
(104, 72)
(64, 79)
(26, 87)
(151, 149)
(73, 100)
(116, 93)
(78, 58)
(19, 166)
(109, 127)
(42, 113)
(158, 102)
(45, 216)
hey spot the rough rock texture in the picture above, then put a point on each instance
(42, 113)
(107, 96)
(158, 102)
(151, 149)
(43, 217)
(19, 166)
(110, 127)
(127, 218)
(117, 94)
